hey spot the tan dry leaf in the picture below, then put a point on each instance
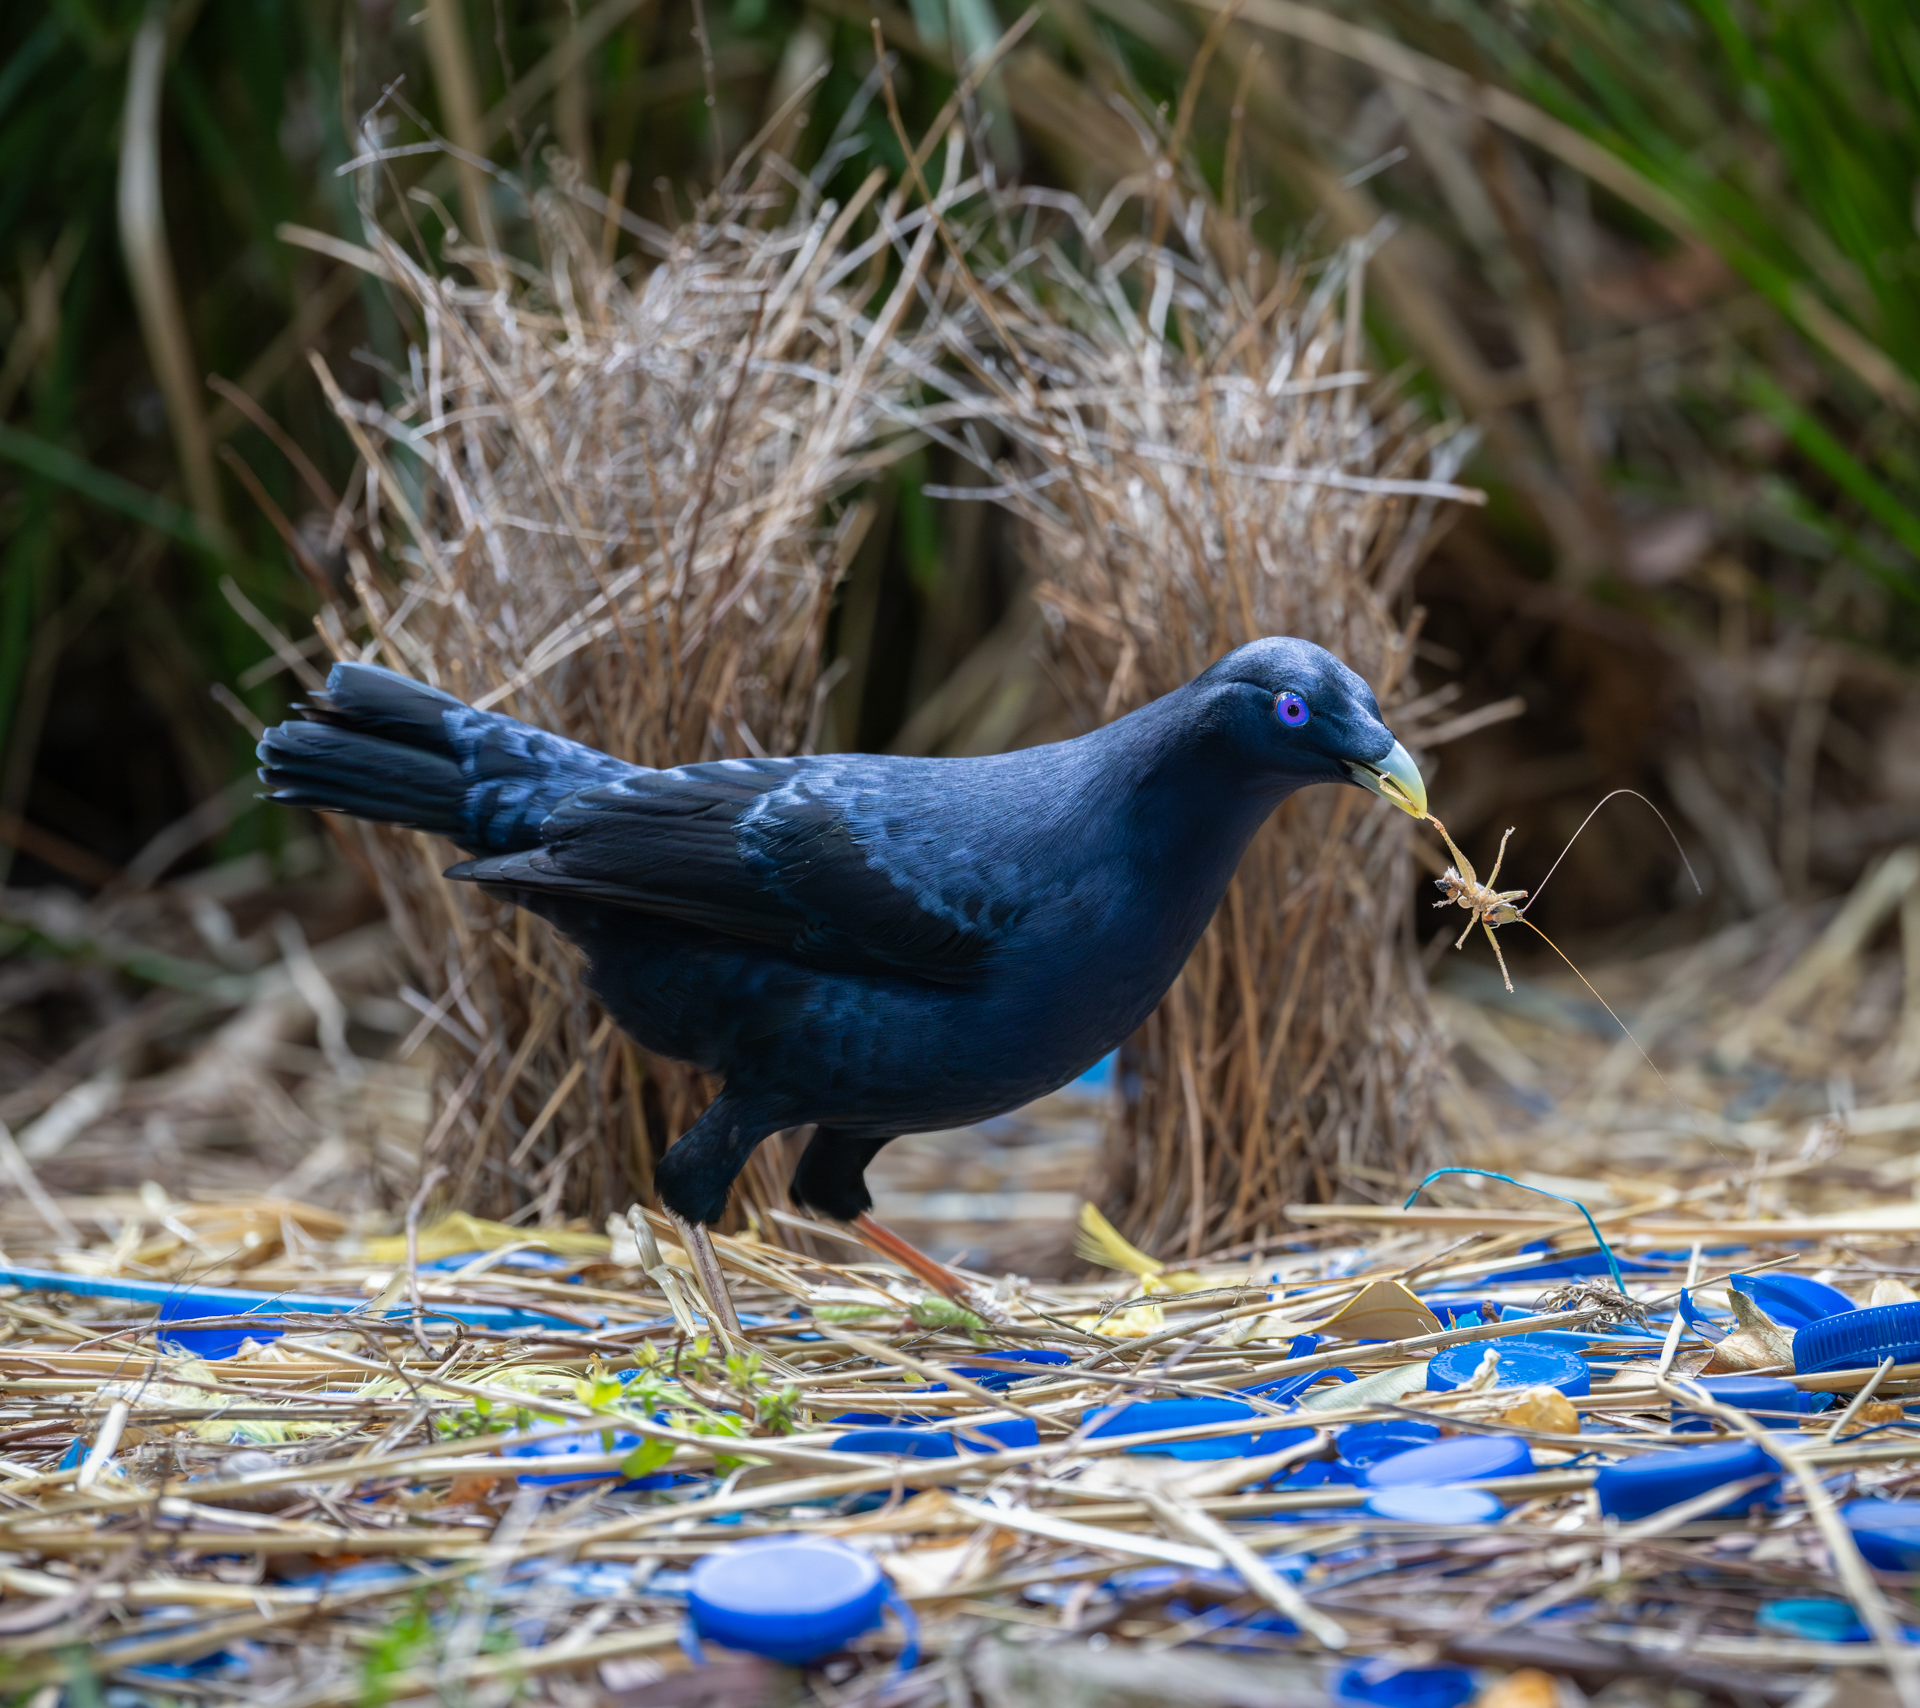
(1759, 1342)
(1385, 1310)
(1544, 1409)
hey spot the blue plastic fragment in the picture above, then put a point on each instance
(1642, 1486)
(941, 1443)
(180, 1304)
(1288, 1388)
(790, 1598)
(1435, 1506)
(1860, 1339)
(1707, 1327)
(996, 1381)
(1140, 1416)
(588, 1441)
(75, 1455)
(1412, 1687)
(1792, 1301)
(1463, 1459)
(1525, 1362)
(1887, 1532)
(1814, 1619)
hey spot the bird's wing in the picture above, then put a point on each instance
(787, 853)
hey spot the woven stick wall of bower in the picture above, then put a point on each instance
(1197, 466)
(619, 529)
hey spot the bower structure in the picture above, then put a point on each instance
(1197, 464)
(607, 503)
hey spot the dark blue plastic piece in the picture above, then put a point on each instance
(996, 1381)
(1413, 1687)
(1435, 1506)
(1141, 1416)
(1642, 1486)
(1886, 1531)
(1525, 1362)
(790, 1598)
(1463, 1459)
(75, 1455)
(1289, 1388)
(1792, 1301)
(1364, 1444)
(1748, 1393)
(1320, 1474)
(1857, 1340)
(1706, 1326)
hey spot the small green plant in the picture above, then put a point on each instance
(394, 1651)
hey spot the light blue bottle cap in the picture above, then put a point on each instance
(1651, 1484)
(1524, 1363)
(1464, 1459)
(1435, 1506)
(1412, 1687)
(790, 1598)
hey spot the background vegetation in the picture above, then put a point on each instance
(1664, 256)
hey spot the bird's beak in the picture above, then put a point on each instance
(1395, 778)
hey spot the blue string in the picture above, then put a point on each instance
(1606, 1251)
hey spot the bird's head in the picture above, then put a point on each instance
(1297, 713)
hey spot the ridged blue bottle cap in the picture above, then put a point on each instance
(1524, 1363)
(1413, 1687)
(1856, 1340)
(1745, 1393)
(1464, 1459)
(1435, 1506)
(1144, 1415)
(1660, 1480)
(1887, 1532)
(790, 1598)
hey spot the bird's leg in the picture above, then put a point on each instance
(916, 1262)
(706, 1271)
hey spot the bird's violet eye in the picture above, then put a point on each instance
(1292, 710)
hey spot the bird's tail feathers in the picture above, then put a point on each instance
(381, 746)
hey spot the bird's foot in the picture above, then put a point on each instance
(706, 1271)
(936, 1275)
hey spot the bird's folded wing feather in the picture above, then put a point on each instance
(773, 852)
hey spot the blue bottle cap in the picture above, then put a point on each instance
(1435, 1506)
(1463, 1459)
(1412, 1687)
(1144, 1415)
(1364, 1444)
(1792, 1301)
(1856, 1340)
(1887, 1532)
(790, 1598)
(1747, 1393)
(1651, 1484)
(1524, 1363)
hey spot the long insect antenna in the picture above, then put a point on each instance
(1575, 837)
(1597, 997)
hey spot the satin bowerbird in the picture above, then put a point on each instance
(867, 945)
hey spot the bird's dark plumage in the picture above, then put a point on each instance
(873, 945)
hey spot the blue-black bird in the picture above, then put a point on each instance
(867, 944)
